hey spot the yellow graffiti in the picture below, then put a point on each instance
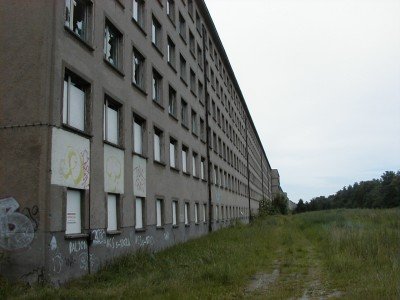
(113, 171)
(72, 166)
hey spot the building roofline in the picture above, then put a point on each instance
(214, 33)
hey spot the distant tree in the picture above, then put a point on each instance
(281, 204)
(376, 193)
(300, 207)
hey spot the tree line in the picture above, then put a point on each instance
(375, 193)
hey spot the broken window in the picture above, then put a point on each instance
(76, 17)
(138, 69)
(112, 44)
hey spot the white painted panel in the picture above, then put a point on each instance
(202, 169)
(157, 148)
(112, 125)
(70, 159)
(112, 212)
(113, 170)
(73, 217)
(174, 216)
(77, 108)
(158, 212)
(204, 212)
(139, 176)
(139, 213)
(137, 132)
(172, 155)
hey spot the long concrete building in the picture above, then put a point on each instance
(107, 144)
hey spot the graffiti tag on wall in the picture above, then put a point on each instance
(16, 229)
(139, 176)
(113, 170)
(70, 160)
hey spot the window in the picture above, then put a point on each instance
(73, 217)
(216, 213)
(157, 87)
(184, 113)
(182, 27)
(213, 109)
(111, 122)
(112, 212)
(200, 92)
(194, 122)
(198, 22)
(138, 12)
(202, 168)
(172, 153)
(200, 56)
(190, 7)
(202, 130)
(171, 57)
(212, 79)
(196, 213)
(171, 10)
(216, 175)
(186, 213)
(138, 135)
(113, 45)
(204, 212)
(192, 43)
(77, 14)
(139, 208)
(192, 81)
(157, 144)
(183, 68)
(174, 213)
(138, 69)
(194, 164)
(172, 101)
(159, 212)
(156, 34)
(184, 159)
(74, 101)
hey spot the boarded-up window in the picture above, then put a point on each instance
(73, 217)
(186, 213)
(196, 213)
(139, 205)
(74, 102)
(159, 212)
(138, 137)
(111, 212)
(174, 213)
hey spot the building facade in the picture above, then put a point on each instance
(108, 145)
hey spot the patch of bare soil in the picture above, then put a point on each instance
(261, 281)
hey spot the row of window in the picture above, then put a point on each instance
(75, 206)
(77, 11)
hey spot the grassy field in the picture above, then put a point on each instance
(351, 254)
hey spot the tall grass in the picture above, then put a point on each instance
(356, 252)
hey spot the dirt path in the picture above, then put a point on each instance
(295, 275)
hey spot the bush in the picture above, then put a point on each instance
(279, 205)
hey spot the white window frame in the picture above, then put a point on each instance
(159, 212)
(114, 135)
(157, 145)
(186, 213)
(174, 213)
(172, 153)
(184, 159)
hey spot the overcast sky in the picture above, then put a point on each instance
(321, 79)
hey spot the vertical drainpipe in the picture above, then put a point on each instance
(248, 169)
(262, 177)
(207, 130)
